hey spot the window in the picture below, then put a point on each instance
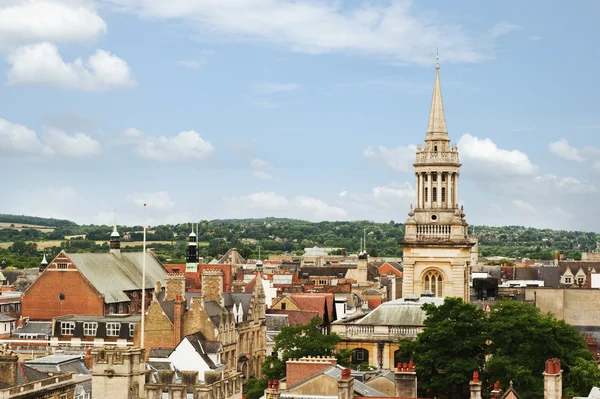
(133, 309)
(426, 194)
(434, 177)
(443, 177)
(443, 194)
(360, 356)
(111, 309)
(568, 280)
(67, 327)
(131, 329)
(62, 266)
(435, 148)
(113, 329)
(580, 280)
(435, 194)
(433, 282)
(283, 305)
(134, 294)
(120, 308)
(90, 328)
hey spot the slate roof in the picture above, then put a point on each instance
(276, 321)
(204, 347)
(400, 312)
(323, 271)
(112, 275)
(5, 318)
(245, 298)
(26, 374)
(160, 352)
(232, 256)
(62, 363)
(35, 327)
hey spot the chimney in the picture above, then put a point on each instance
(8, 367)
(87, 360)
(496, 391)
(157, 289)
(346, 385)
(174, 286)
(592, 345)
(212, 285)
(553, 380)
(556, 258)
(475, 386)
(273, 391)
(178, 311)
(405, 380)
(297, 370)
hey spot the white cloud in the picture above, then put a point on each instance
(24, 21)
(343, 193)
(184, 146)
(393, 194)
(565, 185)
(260, 169)
(18, 139)
(158, 200)
(76, 145)
(42, 64)
(484, 156)
(399, 158)
(192, 64)
(263, 204)
(390, 30)
(132, 133)
(524, 206)
(562, 149)
(271, 87)
(502, 29)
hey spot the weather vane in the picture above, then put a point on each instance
(437, 58)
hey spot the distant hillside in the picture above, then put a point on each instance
(34, 220)
(279, 235)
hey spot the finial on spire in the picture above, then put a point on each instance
(115, 233)
(437, 59)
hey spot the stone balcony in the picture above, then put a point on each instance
(433, 231)
(437, 157)
(378, 333)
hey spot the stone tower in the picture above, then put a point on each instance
(118, 373)
(437, 249)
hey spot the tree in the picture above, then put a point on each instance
(254, 389)
(299, 341)
(449, 349)
(515, 338)
(522, 339)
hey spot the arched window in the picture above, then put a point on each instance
(435, 194)
(360, 356)
(426, 194)
(443, 194)
(433, 282)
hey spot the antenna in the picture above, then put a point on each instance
(144, 280)
(365, 240)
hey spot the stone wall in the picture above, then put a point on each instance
(579, 307)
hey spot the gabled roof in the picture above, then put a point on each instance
(233, 257)
(204, 347)
(335, 372)
(295, 317)
(112, 274)
(237, 298)
(319, 302)
(510, 393)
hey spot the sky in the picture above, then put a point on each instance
(308, 109)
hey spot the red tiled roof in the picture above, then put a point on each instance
(317, 302)
(296, 317)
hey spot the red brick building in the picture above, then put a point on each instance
(94, 284)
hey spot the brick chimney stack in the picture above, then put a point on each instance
(475, 386)
(273, 391)
(405, 380)
(346, 385)
(8, 366)
(178, 313)
(496, 391)
(556, 258)
(297, 370)
(592, 345)
(553, 380)
(87, 359)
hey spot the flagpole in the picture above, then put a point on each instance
(144, 280)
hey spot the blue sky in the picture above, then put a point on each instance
(308, 109)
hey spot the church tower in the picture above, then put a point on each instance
(191, 260)
(437, 249)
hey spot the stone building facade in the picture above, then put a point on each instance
(437, 248)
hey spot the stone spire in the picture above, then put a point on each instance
(437, 119)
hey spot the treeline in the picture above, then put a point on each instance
(38, 221)
(278, 235)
